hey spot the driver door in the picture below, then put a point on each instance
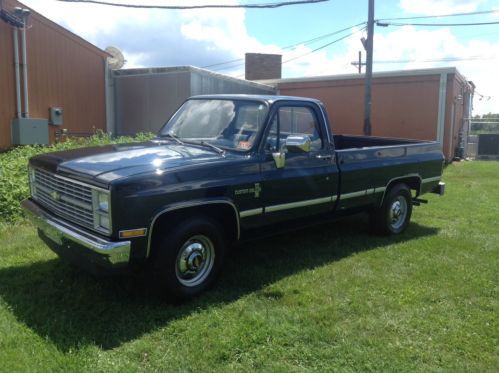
(307, 183)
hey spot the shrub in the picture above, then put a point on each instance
(14, 163)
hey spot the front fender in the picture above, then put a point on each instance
(175, 207)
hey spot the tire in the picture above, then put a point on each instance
(188, 258)
(394, 215)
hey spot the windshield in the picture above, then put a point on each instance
(229, 124)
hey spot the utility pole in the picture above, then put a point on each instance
(369, 69)
(358, 64)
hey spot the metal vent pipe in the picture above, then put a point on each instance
(25, 13)
(15, 33)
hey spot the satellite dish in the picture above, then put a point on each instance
(117, 60)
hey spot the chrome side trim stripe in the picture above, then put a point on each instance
(246, 213)
(430, 179)
(292, 205)
(357, 194)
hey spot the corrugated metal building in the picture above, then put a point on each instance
(429, 104)
(145, 98)
(63, 71)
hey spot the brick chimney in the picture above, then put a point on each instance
(260, 66)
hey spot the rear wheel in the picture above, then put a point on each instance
(394, 215)
(188, 258)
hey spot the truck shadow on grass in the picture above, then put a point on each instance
(73, 309)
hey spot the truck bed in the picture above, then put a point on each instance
(369, 164)
(344, 142)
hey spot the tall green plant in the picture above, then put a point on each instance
(14, 163)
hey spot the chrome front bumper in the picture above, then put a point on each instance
(79, 246)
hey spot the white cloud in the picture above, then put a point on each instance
(203, 37)
(151, 37)
(435, 7)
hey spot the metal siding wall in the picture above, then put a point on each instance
(63, 70)
(402, 106)
(7, 85)
(202, 84)
(144, 102)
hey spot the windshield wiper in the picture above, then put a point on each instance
(174, 137)
(204, 143)
(216, 148)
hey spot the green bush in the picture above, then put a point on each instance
(14, 163)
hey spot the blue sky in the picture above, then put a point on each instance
(204, 37)
(289, 25)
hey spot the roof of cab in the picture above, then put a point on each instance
(266, 98)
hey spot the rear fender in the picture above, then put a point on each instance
(413, 181)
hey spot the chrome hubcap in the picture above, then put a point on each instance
(195, 260)
(398, 212)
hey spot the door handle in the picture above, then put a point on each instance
(326, 157)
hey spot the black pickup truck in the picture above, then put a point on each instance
(222, 168)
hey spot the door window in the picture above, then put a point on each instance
(293, 120)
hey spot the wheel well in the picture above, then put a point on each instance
(413, 182)
(224, 214)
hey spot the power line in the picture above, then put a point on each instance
(317, 49)
(384, 24)
(222, 63)
(229, 67)
(226, 6)
(323, 36)
(324, 46)
(306, 42)
(486, 97)
(441, 15)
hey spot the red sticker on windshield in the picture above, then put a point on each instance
(244, 145)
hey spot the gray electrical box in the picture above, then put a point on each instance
(28, 131)
(56, 116)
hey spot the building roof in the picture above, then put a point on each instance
(190, 69)
(382, 74)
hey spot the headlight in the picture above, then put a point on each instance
(103, 221)
(103, 201)
(102, 210)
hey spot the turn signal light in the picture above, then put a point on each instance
(133, 233)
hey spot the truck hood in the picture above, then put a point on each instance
(107, 163)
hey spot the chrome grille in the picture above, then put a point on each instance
(67, 199)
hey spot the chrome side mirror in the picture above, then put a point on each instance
(279, 159)
(298, 144)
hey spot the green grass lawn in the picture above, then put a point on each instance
(331, 297)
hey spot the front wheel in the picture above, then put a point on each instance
(188, 258)
(394, 215)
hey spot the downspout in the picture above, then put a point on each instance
(25, 64)
(442, 97)
(15, 33)
(451, 132)
(109, 90)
